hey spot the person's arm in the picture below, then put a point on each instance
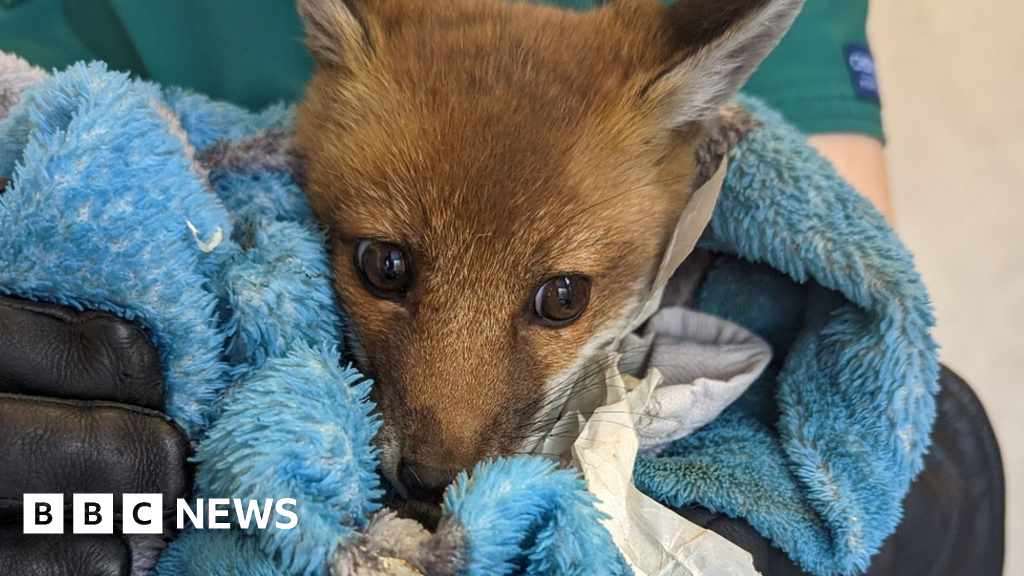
(821, 78)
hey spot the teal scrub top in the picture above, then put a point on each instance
(250, 52)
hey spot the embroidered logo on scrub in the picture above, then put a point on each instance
(861, 65)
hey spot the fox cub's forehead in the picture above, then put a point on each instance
(510, 182)
(482, 165)
(508, 47)
(518, 119)
(496, 66)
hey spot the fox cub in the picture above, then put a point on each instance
(498, 181)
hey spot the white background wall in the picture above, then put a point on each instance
(952, 78)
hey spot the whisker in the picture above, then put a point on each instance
(549, 407)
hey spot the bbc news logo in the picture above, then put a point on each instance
(144, 513)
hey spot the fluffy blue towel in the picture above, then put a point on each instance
(819, 454)
(183, 214)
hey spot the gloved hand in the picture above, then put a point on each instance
(81, 395)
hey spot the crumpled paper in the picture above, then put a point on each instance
(654, 540)
(609, 411)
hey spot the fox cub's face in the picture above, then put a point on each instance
(499, 180)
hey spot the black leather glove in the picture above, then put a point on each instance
(953, 517)
(81, 395)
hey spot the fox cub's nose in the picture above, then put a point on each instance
(425, 483)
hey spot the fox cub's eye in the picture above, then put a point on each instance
(562, 299)
(385, 268)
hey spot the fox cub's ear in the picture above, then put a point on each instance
(336, 33)
(712, 47)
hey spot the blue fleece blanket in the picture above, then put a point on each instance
(184, 215)
(819, 454)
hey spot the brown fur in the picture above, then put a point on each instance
(502, 143)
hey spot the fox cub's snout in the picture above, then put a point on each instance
(498, 180)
